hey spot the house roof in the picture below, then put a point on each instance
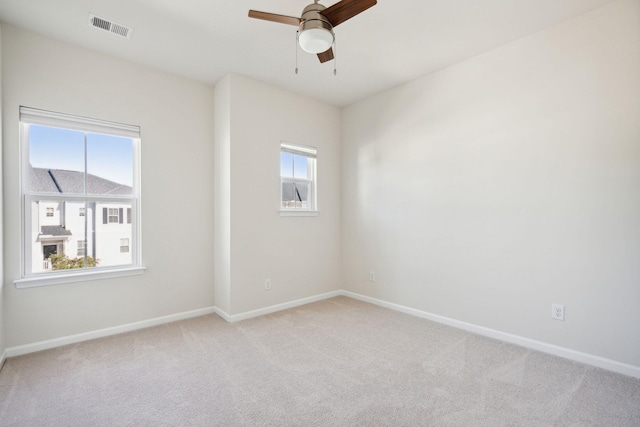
(55, 230)
(290, 192)
(72, 182)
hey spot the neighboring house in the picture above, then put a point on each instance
(99, 230)
(294, 196)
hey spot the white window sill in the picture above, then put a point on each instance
(83, 276)
(298, 212)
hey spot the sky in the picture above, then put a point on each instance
(109, 157)
(293, 165)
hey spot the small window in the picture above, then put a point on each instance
(113, 216)
(82, 247)
(124, 246)
(297, 178)
(49, 212)
(81, 212)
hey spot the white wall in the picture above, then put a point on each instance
(176, 120)
(301, 255)
(2, 309)
(496, 187)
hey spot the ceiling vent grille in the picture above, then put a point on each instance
(112, 27)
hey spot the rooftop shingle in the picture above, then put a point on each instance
(55, 230)
(44, 180)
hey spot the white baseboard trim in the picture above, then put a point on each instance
(220, 312)
(274, 308)
(100, 333)
(587, 359)
(3, 358)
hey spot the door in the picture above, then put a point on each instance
(48, 250)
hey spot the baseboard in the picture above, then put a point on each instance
(72, 339)
(220, 312)
(3, 358)
(587, 359)
(100, 333)
(274, 308)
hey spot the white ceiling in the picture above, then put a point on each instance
(393, 42)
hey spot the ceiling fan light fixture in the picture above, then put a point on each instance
(315, 40)
(315, 26)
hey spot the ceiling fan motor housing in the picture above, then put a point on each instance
(315, 34)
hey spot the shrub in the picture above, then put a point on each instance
(63, 262)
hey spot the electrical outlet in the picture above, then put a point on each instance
(557, 311)
(372, 276)
(267, 284)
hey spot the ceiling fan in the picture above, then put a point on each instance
(315, 26)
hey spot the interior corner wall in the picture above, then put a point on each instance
(2, 309)
(222, 194)
(491, 189)
(301, 255)
(176, 120)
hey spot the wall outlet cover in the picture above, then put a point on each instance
(557, 311)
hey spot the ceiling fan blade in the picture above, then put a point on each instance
(274, 17)
(346, 9)
(326, 55)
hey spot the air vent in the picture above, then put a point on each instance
(112, 27)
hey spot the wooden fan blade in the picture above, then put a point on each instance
(346, 9)
(326, 55)
(274, 17)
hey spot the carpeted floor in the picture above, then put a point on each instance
(338, 362)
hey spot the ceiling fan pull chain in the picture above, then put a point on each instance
(335, 56)
(297, 34)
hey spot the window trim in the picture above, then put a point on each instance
(310, 153)
(110, 215)
(79, 276)
(30, 116)
(83, 247)
(84, 124)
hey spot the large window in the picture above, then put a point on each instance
(298, 190)
(80, 189)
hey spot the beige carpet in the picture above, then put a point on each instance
(338, 362)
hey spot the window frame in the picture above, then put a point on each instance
(127, 245)
(111, 215)
(311, 153)
(29, 278)
(81, 250)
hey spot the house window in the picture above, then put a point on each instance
(82, 247)
(113, 215)
(297, 178)
(80, 165)
(124, 245)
